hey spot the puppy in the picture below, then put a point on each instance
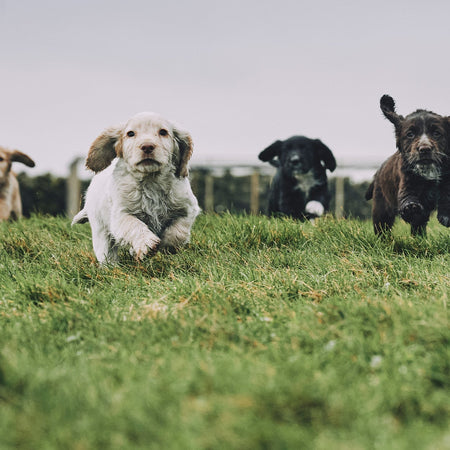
(411, 181)
(300, 187)
(10, 201)
(143, 200)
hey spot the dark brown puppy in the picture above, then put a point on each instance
(412, 180)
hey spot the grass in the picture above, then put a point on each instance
(263, 333)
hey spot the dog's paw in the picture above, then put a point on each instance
(140, 249)
(412, 211)
(175, 237)
(444, 220)
(314, 208)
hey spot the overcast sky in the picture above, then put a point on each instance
(238, 74)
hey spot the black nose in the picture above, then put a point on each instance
(147, 149)
(425, 149)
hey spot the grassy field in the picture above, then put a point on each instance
(263, 333)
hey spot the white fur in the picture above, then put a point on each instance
(140, 201)
(424, 140)
(315, 207)
(306, 181)
(430, 172)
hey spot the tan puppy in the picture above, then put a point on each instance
(10, 201)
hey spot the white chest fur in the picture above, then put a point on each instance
(306, 181)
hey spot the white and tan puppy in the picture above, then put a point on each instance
(10, 200)
(143, 200)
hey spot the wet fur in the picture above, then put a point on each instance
(414, 180)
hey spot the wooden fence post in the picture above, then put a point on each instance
(339, 198)
(209, 193)
(73, 194)
(254, 192)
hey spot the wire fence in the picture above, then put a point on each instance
(244, 187)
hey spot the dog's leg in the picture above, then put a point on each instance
(383, 220)
(419, 229)
(412, 204)
(416, 210)
(104, 248)
(16, 201)
(178, 233)
(5, 210)
(444, 203)
(383, 216)
(129, 230)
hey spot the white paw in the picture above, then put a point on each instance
(315, 207)
(176, 236)
(140, 248)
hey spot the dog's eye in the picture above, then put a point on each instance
(130, 133)
(163, 132)
(436, 134)
(1, 159)
(410, 134)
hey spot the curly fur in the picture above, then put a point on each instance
(143, 200)
(414, 180)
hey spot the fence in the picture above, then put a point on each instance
(247, 184)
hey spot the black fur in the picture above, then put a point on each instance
(301, 175)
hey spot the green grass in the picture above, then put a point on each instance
(263, 333)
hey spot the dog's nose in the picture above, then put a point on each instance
(425, 149)
(147, 148)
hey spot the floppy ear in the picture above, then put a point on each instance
(17, 156)
(271, 152)
(186, 147)
(104, 149)
(325, 155)
(387, 106)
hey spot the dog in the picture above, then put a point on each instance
(10, 200)
(414, 180)
(300, 186)
(143, 199)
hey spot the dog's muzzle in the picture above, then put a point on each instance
(148, 162)
(297, 167)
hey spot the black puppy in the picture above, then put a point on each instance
(299, 188)
(413, 180)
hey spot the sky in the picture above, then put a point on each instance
(238, 74)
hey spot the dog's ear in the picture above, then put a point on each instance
(325, 155)
(104, 149)
(387, 106)
(186, 147)
(17, 156)
(271, 152)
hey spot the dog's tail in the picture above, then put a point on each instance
(369, 192)
(81, 217)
